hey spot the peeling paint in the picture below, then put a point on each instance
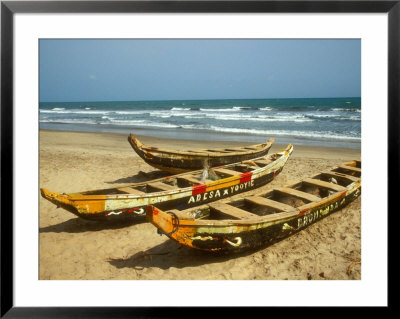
(111, 205)
(223, 234)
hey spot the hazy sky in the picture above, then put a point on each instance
(128, 70)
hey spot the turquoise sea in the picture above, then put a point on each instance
(334, 122)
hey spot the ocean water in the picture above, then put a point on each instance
(334, 122)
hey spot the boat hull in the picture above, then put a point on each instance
(125, 208)
(238, 236)
(128, 207)
(179, 162)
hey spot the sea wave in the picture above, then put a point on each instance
(339, 109)
(164, 114)
(111, 121)
(299, 134)
(140, 123)
(74, 111)
(132, 112)
(351, 118)
(318, 116)
(180, 109)
(334, 117)
(69, 121)
(260, 118)
(232, 109)
(244, 108)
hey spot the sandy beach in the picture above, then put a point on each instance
(75, 249)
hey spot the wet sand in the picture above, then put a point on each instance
(75, 249)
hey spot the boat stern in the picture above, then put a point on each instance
(163, 221)
(169, 224)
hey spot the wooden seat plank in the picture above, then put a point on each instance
(190, 179)
(251, 148)
(225, 171)
(243, 165)
(191, 214)
(299, 194)
(323, 184)
(248, 167)
(131, 190)
(251, 162)
(351, 168)
(181, 215)
(341, 175)
(162, 186)
(262, 162)
(232, 211)
(198, 151)
(262, 201)
(219, 151)
(235, 150)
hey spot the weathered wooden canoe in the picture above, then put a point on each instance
(259, 220)
(178, 191)
(175, 162)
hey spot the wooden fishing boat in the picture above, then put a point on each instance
(178, 191)
(258, 220)
(174, 161)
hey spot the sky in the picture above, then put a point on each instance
(197, 69)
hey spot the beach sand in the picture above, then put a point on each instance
(75, 249)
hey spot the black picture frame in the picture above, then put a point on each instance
(9, 8)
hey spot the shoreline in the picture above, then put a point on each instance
(182, 144)
(71, 248)
(206, 135)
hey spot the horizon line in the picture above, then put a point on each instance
(159, 100)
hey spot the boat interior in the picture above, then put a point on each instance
(228, 151)
(189, 179)
(291, 198)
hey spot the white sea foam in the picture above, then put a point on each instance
(167, 114)
(351, 118)
(180, 109)
(346, 110)
(236, 108)
(200, 116)
(260, 118)
(69, 121)
(73, 111)
(219, 110)
(190, 126)
(141, 123)
(322, 115)
(131, 112)
(59, 111)
(92, 112)
(306, 134)
(123, 122)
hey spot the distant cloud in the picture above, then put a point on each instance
(92, 77)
